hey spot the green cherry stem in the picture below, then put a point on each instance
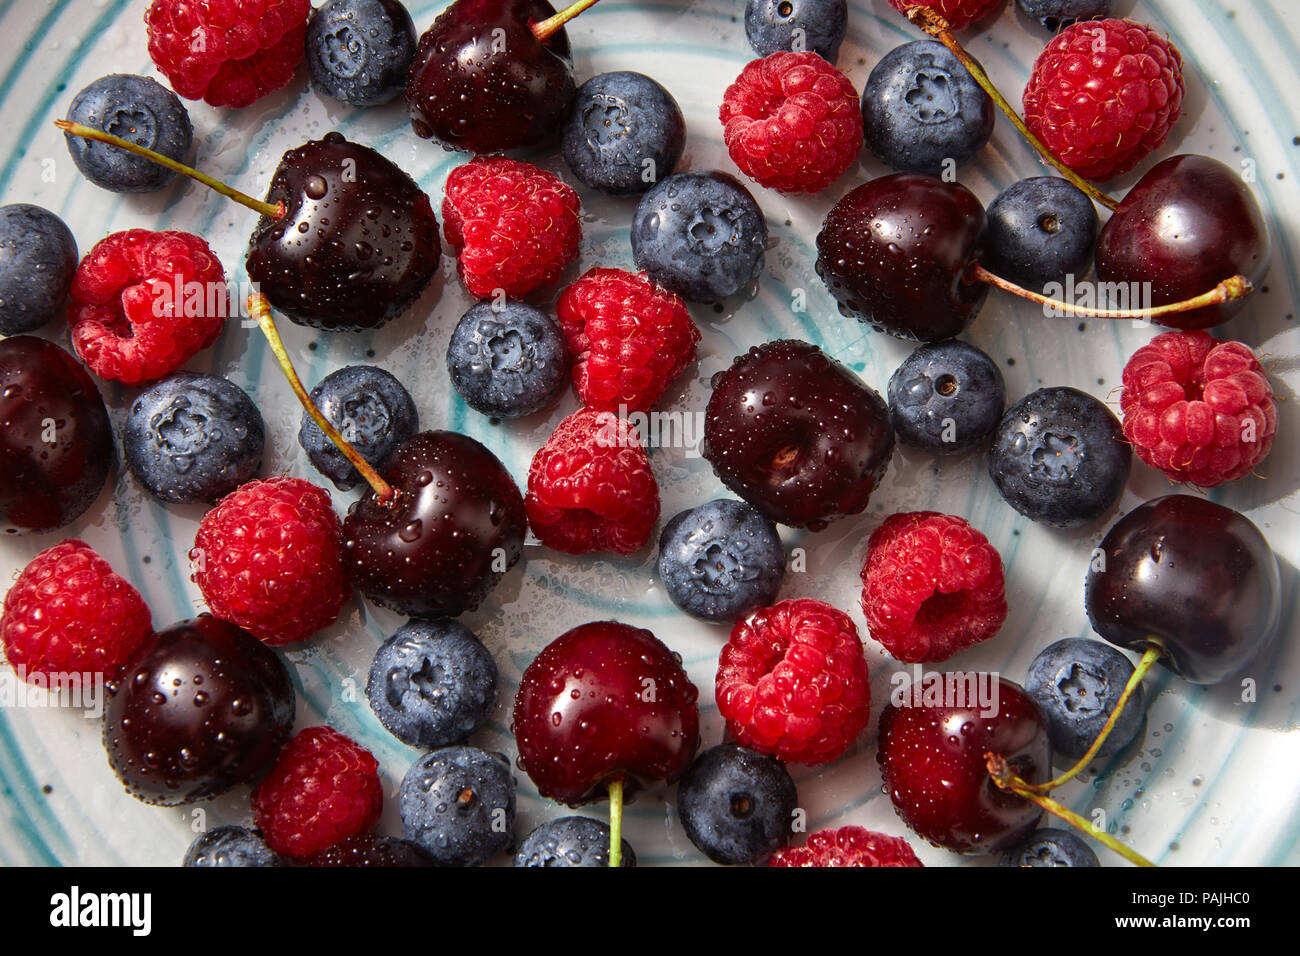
(1234, 287)
(260, 309)
(1155, 650)
(1007, 779)
(937, 27)
(1005, 776)
(545, 29)
(616, 822)
(270, 210)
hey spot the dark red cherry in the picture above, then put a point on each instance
(482, 81)
(357, 244)
(456, 526)
(1196, 575)
(797, 434)
(56, 445)
(200, 708)
(605, 700)
(931, 757)
(1187, 225)
(897, 254)
(371, 850)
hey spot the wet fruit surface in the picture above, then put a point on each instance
(357, 244)
(796, 434)
(202, 707)
(897, 252)
(603, 701)
(1193, 574)
(481, 81)
(456, 527)
(932, 760)
(56, 446)
(1187, 225)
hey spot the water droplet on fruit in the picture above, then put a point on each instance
(316, 187)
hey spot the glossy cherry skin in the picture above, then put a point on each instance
(1187, 225)
(358, 242)
(932, 760)
(481, 80)
(456, 526)
(797, 434)
(897, 254)
(1196, 575)
(604, 700)
(56, 445)
(200, 708)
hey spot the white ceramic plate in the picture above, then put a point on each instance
(1213, 780)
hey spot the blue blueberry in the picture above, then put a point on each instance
(736, 804)
(38, 258)
(817, 25)
(193, 437)
(507, 361)
(699, 234)
(721, 560)
(432, 683)
(1059, 457)
(570, 841)
(232, 846)
(1055, 14)
(371, 409)
(359, 51)
(921, 108)
(134, 108)
(1078, 682)
(1041, 230)
(624, 133)
(1052, 847)
(458, 805)
(946, 397)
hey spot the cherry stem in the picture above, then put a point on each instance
(1235, 287)
(545, 29)
(260, 309)
(616, 822)
(937, 27)
(270, 210)
(1155, 650)
(1007, 779)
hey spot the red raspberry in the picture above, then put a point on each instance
(323, 789)
(227, 52)
(143, 303)
(847, 846)
(590, 487)
(268, 557)
(959, 13)
(792, 682)
(931, 586)
(792, 122)
(1104, 94)
(1198, 409)
(629, 338)
(69, 613)
(515, 226)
